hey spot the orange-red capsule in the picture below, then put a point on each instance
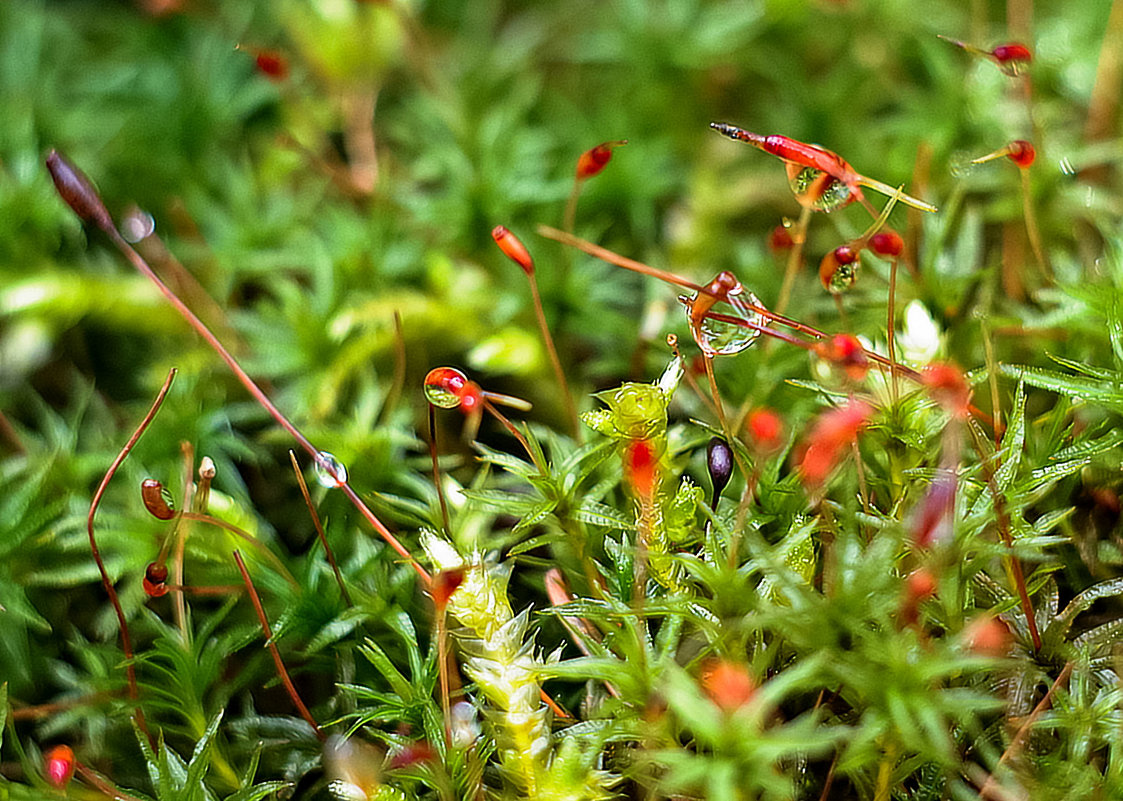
(595, 159)
(729, 685)
(272, 64)
(846, 352)
(512, 248)
(766, 430)
(833, 433)
(839, 269)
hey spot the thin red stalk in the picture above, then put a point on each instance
(319, 529)
(100, 784)
(663, 275)
(126, 640)
(139, 263)
(891, 313)
(1018, 741)
(437, 469)
(552, 351)
(272, 646)
(1003, 520)
(442, 670)
(245, 535)
(514, 433)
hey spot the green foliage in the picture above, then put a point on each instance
(940, 608)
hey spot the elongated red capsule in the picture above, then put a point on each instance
(272, 64)
(156, 499)
(512, 248)
(1011, 52)
(833, 433)
(846, 352)
(595, 159)
(78, 191)
(640, 467)
(59, 766)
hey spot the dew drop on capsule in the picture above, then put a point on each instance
(330, 472)
(444, 387)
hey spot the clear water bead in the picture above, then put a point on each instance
(721, 338)
(330, 472)
(444, 387)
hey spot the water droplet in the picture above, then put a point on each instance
(444, 387)
(137, 224)
(721, 338)
(330, 472)
(959, 165)
(786, 222)
(464, 724)
(1066, 166)
(816, 189)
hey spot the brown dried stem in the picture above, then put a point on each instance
(126, 640)
(290, 688)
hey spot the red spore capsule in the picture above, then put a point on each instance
(780, 240)
(729, 685)
(834, 432)
(839, 269)
(155, 578)
(512, 248)
(156, 499)
(1012, 58)
(846, 352)
(887, 243)
(59, 766)
(595, 159)
(766, 430)
(1021, 152)
(272, 64)
(948, 387)
(471, 396)
(78, 191)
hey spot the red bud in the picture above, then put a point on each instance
(1021, 152)
(765, 429)
(513, 249)
(594, 160)
(834, 432)
(729, 685)
(79, 193)
(887, 243)
(59, 766)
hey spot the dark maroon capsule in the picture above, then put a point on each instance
(78, 192)
(156, 499)
(719, 461)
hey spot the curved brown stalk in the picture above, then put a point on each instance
(126, 640)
